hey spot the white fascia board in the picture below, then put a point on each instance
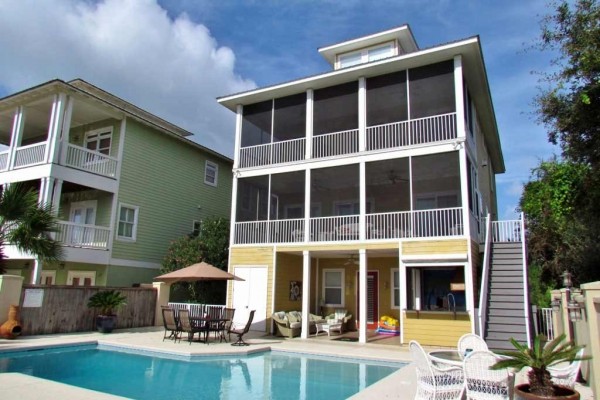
(26, 174)
(84, 178)
(120, 262)
(82, 255)
(439, 259)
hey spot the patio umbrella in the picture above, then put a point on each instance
(197, 272)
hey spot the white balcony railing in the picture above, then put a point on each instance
(335, 144)
(3, 160)
(80, 235)
(446, 222)
(91, 161)
(407, 133)
(273, 153)
(30, 155)
(506, 231)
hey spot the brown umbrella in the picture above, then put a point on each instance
(197, 272)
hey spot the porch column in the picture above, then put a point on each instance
(459, 97)
(61, 154)
(307, 206)
(36, 273)
(309, 123)
(305, 293)
(362, 113)
(56, 196)
(56, 121)
(362, 290)
(403, 293)
(17, 135)
(362, 219)
(238, 135)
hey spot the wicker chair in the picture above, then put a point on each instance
(434, 382)
(566, 375)
(470, 342)
(172, 328)
(482, 383)
(342, 316)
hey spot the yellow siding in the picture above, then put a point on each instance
(425, 247)
(436, 329)
(289, 268)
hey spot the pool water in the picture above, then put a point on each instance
(266, 375)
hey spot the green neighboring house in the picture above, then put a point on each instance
(123, 182)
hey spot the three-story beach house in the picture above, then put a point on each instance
(366, 188)
(122, 181)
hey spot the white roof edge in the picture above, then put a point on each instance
(377, 35)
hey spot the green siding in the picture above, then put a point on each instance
(164, 177)
(127, 276)
(103, 199)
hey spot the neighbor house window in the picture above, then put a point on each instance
(196, 226)
(128, 219)
(395, 288)
(99, 140)
(81, 278)
(333, 287)
(210, 173)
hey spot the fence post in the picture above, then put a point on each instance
(558, 316)
(10, 294)
(162, 299)
(591, 294)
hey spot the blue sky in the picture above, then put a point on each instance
(174, 57)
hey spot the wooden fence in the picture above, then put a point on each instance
(63, 309)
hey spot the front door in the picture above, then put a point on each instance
(250, 294)
(82, 213)
(372, 299)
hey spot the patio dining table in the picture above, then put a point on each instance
(446, 357)
(220, 322)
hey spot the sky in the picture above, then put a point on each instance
(175, 57)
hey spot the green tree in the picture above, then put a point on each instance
(212, 246)
(26, 224)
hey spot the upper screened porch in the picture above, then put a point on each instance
(397, 110)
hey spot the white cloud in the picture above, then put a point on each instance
(171, 67)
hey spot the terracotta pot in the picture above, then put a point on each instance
(11, 328)
(562, 393)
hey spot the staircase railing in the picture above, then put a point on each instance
(526, 305)
(483, 293)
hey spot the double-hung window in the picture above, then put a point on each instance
(211, 172)
(128, 220)
(333, 287)
(395, 288)
(369, 54)
(99, 140)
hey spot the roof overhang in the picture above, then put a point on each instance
(474, 73)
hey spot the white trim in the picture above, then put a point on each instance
(343, 286)
(48, 273)
(239, 115)
(209, 164)
(305, 293)
(437, 258)
(101, 135)
(82, 275)
(392, 288)
(136, 213)
(120, 262)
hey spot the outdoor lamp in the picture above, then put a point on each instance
(574, 310)
(555, 304)
(567, 282)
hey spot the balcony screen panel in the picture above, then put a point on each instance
(436, 181)
(336, 190)
(256, 124)
(336, 108)
(388, 185)
(386, 99)
(252, 199)
(432, 90)
(288, 188)
(290, 118)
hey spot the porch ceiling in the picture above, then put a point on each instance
(342, 253)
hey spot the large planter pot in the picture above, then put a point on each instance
(106, 323)
(562, 393)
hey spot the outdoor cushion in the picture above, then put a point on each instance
(294, 316)
(294, 325)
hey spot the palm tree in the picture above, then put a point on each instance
(26, 224)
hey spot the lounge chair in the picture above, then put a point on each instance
(241, 332)
(187, 326)
(566, 375)
(470, 342)
(340, 315)
(170, 324)
(482, 383)
(434, 382)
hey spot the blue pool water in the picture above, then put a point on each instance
(266, 375)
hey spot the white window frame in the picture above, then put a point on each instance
(393, 288)
(136, 214)
(49, 273)
(81, 275)
(209, 164)
(196, 226)
(102, 133)
(342, 288)
(364, 54)
(436, 196)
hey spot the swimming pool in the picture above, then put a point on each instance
(265, 375)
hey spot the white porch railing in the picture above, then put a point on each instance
(340, 228)
(4, 160)
(406, 133)
(196, 310)
(91, 161)
(80, 235)
(441, 222)
(30, 155)
(335, 144)
(544, 324)
(276, 231)
(506, 231)
(273, 153)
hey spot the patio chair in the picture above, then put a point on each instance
(215, 314)
(170, 324)
(340, 315)
(482, 383)
(227, 323)
(241, 332)
(566, 375)
(470, 342)
(434, 382)
(187, 326)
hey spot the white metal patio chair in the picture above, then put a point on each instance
(566, 375)
(482, 383)
(434, 382)
(470, 342)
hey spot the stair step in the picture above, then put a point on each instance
(505, 319)
(513, 278)
(505, 336)
(504, 312)
(500, 344)
(507, 328)
(507, 299)
(510, 285)
(505, 291)
(507, 256)
(506, 264)
(506, 245)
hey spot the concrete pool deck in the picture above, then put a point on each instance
(399, 385)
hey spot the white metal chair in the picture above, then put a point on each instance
(566, 375)
(482, 383)
(470, 342)
(434, 382)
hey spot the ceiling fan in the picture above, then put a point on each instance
(352, 260)
(394, 177)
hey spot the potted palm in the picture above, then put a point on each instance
(543, 354)
(106, 302)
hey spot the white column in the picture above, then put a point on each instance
(234, 190)
(309, 122)
(36, 273)
(362, 113)
(307, 206)
(65, 133)
(459, 97)
(56, 196)
(56, 121)
(239, 117)
(362, 219)
(17, 135)
(362, 293)
(402, 285)
(45, 194)
(305, 293)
